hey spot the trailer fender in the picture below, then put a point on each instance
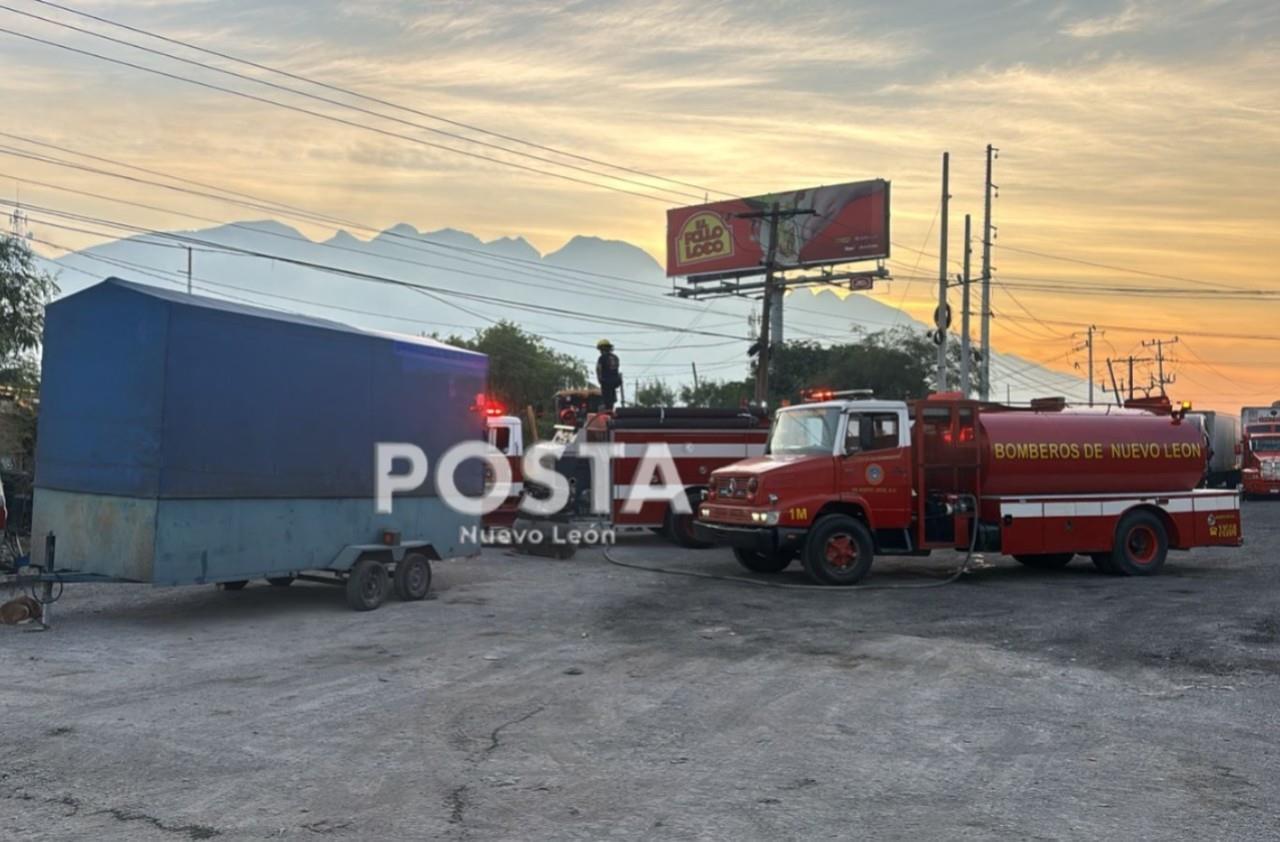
(350, 554)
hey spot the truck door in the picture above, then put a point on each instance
(875, 466)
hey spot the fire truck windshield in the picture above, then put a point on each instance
(804, 430)
(1270, 444)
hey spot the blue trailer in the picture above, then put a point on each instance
(187, 440)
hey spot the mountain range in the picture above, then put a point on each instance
(452, 282)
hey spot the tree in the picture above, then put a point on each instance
(896, 364)
(523, 371)
(24, 291)
(655, 393)
(719, 394)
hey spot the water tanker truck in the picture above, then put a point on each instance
(844, 480)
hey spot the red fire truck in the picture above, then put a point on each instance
(1260, 474)
(844, 480)
(699, 440)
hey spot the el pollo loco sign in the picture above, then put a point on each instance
(837, 223)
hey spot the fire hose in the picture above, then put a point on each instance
(959, 571)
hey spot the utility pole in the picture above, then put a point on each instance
(1115, 390)
(1088, 345)
(188, 270)
(940, 320)
(1159, 344)
(984, 382)
(772, 295)
(965, 351)
(695, 375)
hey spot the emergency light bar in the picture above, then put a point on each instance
(815, 395)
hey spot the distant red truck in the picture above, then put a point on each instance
(1260, 472)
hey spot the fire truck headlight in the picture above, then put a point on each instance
(704, 512)
(766, 518)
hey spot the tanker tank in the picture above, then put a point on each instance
(1078, 452)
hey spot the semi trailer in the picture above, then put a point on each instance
(845, 480)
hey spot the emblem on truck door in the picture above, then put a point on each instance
(875, 474)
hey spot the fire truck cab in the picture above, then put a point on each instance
(843, 480)
(1260, 474)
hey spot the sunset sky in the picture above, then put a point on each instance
(1140, 135)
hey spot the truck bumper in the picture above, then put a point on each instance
(760, 539)
(1258, 487)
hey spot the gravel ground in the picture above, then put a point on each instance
(539, 699)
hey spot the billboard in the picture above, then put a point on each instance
(848, 222)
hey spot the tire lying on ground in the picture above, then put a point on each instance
(1045, 561)
(763, 562)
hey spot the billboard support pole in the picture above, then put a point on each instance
(964, 315)
(940, 321)
(766, 316)
(984, 383)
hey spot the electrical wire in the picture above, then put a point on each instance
(377, 100)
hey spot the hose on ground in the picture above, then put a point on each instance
(696, 574)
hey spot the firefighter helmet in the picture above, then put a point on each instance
(603, 344)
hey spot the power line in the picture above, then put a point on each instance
(377, 100)
(329, 101)
(330, 117)
(1113, 267)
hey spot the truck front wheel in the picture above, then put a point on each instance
(774, 562)
(1141, 545)
(839, 551)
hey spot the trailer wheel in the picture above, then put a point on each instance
(280, 581)
(763, 562)
(367, 585)
(839, 551)
(1045, 561)
(413, 577)
(678, 529)
(1141, 545)
(237, 585)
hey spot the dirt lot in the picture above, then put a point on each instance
(538, 699)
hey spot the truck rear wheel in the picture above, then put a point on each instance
(756, 562)
(839, 551)
(1045, 561)
(367, 585)
(1102, 561)
(413, 577)
(1141, 545)
(678, 529)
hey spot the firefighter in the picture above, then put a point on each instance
(608, 375)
